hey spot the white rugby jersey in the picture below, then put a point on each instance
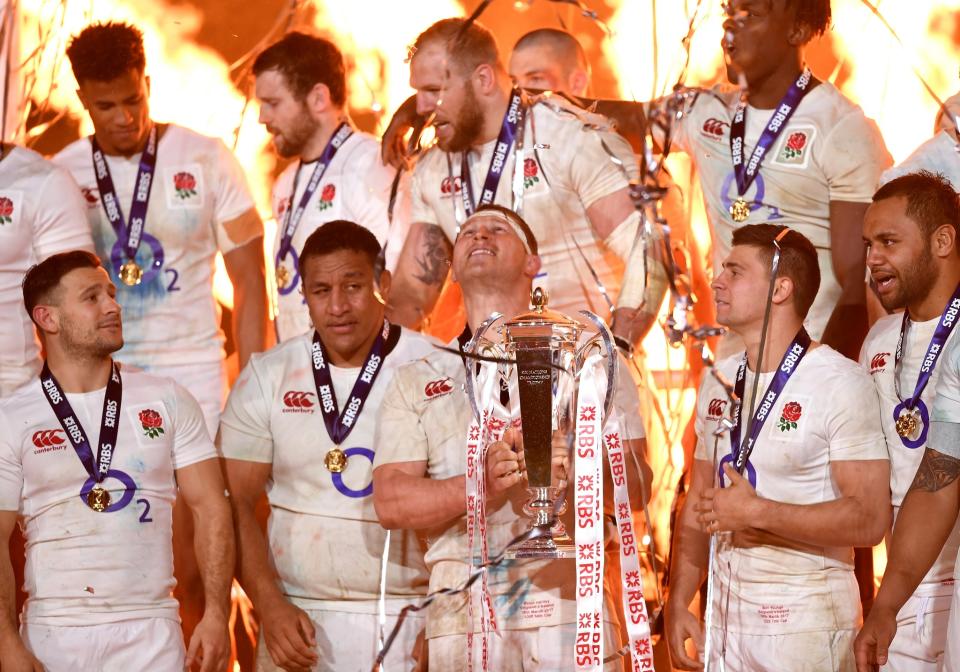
(828, 412)
(878, 357)
(41, 213)
(939, 154)
(171, 317)
(355, 187)
(945, 414)
(425, 417)
(566, 170)
(829, 151)
(84, 567)
(324, 534)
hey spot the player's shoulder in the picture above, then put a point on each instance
(145, 384)
(884, 330)
(361, 146)
(23, 165)
(828, 369)
(276, 360)
(829, 108)
(555, 112)
(414, 345)
(431, 161)
(22, 399)
(175, 134)
(76, 155)
(434, 365)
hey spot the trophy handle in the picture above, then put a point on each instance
(613, 361)
(471, 371)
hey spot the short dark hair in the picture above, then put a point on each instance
(561, 42)
(43, 278)
(337, 235)
(467, 46)
(815, 13)
(798, 259)
(104, 51)
(931, 200)
(305, 61)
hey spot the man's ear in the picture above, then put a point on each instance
(485, 79)
(783, 290)
(318, 99)
(799, 34)
(532, 265)
(943, 242)
(386, 282)
(46, 318)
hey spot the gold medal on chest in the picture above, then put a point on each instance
(335, 460)
(740, 210)
(98, 499)
(130, 273)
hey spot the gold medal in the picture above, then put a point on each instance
(130, 273)
(98, 499)
(907, 424)
(335, 460)
(283, 276)
(739, 210)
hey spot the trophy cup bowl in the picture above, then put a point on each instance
(547, 348)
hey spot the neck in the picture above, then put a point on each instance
(110, 150)
(931, 306)
(79, 373)
(766, 91)
(480, 302)
(315, 145)
(357, 356)
(493, 119)
(780, 333)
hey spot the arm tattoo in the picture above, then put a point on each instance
(433, 258)
(936, 471)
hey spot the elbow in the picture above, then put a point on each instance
(876, 528)
(385, 505)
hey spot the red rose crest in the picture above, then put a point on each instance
(152, 423)
(530, 172)
(795, 144)
(788, 416)
(326, 196)
(185, 184)
(6, 210)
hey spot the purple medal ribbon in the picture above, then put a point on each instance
(129, 234)
(948, 321)
(508, 133)
(293, 216)
(746, 173)
(740, 452)
(339, 425)
(98, 468)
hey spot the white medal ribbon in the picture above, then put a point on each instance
(634, 605)
(588, 500)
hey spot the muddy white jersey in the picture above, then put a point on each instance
(85, 567)
(945, 414)
(323, 531)
(826, 413)
(878, 356)
(565, 170)
(829, 151)
(939, 154)
(355, 187)
(171, 317)
(425, 417)
(41, 214)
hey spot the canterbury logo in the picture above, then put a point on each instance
(293, 399)
(437, 387)
(878, 362)
(48, 439)
(715, 409)
(714, 127)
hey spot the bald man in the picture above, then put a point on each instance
(549, 59)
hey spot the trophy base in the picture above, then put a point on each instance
(543, 548)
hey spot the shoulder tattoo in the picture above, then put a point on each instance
(936, 471)
(433, 256)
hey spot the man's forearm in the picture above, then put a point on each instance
(9, 633)
(691, 551)
(927, 517)
(409, 502)
(842, 522)
(251, 306)
(214, 545)
(257, 575)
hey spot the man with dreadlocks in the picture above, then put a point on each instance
(803, 477)
(788, 149)
(565, 170)
(301, 86)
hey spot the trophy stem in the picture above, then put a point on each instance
(554, 543)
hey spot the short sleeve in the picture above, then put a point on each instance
(420, 210)
(699, 422)
(593, 172)
(945, 416)
(232, 197)
(11, 470)
(854, 158)
(852, 422)
(245, 422)
(61, 223)
(627, 403)
(370, 196)
(191, 442)
(400, 436)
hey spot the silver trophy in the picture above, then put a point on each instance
(547, 350)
